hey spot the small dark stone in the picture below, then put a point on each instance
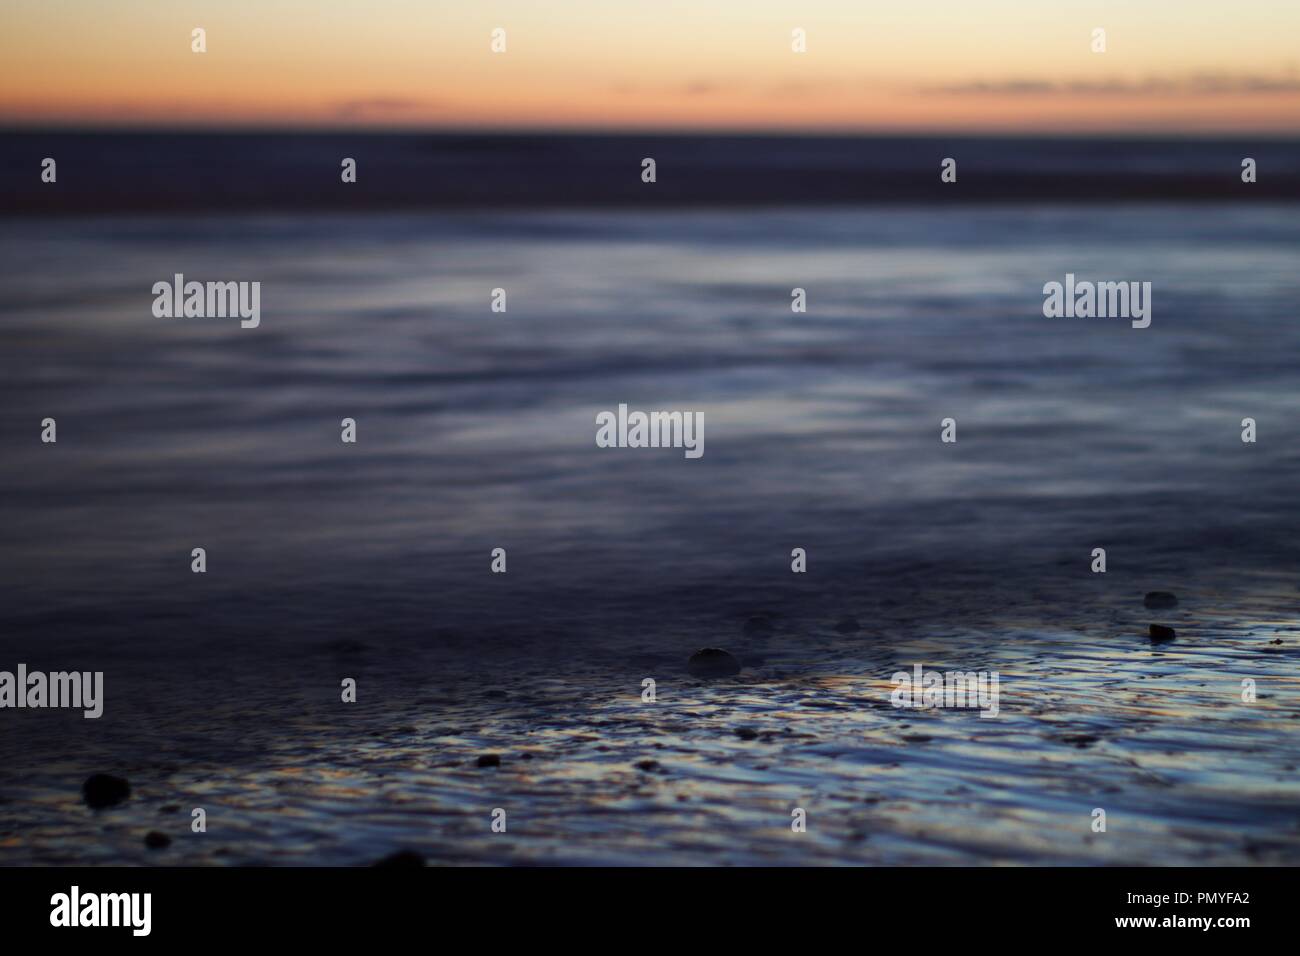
(647, 765)
(104, 790)
(169, 808)
(1160, 634)
(1160, 600)
(489, 760)
(1080, 740)
(712, 662)
(401, 859)
(758, 625)
(155, 840)
(746, 733)
(848, 625)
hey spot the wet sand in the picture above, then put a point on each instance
(1091, 715)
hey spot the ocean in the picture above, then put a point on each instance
(476, 430)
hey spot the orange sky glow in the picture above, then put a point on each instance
(997, 66)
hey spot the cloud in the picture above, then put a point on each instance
(1196, 84)
(701, 88)
(744, 88)
(379, 106)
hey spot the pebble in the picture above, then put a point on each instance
(1160, 634)
(489, 760)
(712, 662)
(104, 790)
(156, 840)
(746, 733)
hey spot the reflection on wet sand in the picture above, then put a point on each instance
(1092, 717)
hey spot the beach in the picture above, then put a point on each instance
(477, 430)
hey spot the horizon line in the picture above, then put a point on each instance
(308, 129)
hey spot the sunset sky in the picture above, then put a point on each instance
(996, 65)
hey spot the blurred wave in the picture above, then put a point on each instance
(477, 429)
